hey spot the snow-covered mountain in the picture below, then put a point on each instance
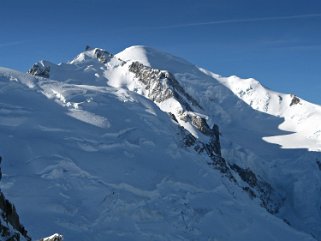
(144, 145)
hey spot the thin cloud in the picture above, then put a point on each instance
(241, 20)
(14, 43)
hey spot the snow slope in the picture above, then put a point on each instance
(98, 159)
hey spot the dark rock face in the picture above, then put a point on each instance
(220, 164)
(10, 226)
(40, 70)
(201, 124)
(246, 175)
(162, 85)
(102, 55)
(215, 139)
(211, 149)
(295, 100)
(270, 200)
(158, 82)
(189, 139)
(173, 117)
(280, 98)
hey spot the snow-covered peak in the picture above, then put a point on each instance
(136, 53)
(156, 59)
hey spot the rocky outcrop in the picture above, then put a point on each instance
(211, 149)
(213, 146)
(39, 69)
(295, 100)
(258, 188)
(161, 85)
(103, 56)
(10, 226)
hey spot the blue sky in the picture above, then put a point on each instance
(277, 42)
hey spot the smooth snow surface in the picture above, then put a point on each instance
(88, 156)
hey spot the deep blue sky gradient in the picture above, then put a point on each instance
(277, 42)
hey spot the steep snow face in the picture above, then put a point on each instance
(250, 116)
(92, 161)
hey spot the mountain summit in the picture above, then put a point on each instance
(143, 145)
